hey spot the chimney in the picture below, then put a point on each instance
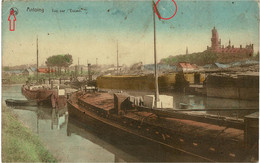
(240, 46)
(232, 46)
(89, 72)
(76, 70)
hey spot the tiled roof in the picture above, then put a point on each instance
(187, 65)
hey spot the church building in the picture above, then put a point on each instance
(216, 46)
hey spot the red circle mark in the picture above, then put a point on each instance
(155, 8)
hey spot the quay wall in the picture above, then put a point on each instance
(142, 82)
(126, 82)
(244, 87)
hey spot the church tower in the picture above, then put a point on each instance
(214, 40)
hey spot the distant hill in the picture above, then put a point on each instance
(203, 58)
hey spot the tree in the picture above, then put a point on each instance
(59, 61)
(6, 68)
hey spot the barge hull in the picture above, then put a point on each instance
(110, 128)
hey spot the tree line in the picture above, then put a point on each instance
(60, 61)
(202, 58)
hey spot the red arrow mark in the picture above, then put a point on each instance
(12, 19)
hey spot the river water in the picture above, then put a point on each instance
(70, 141)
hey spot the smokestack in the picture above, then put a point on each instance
(76, 70)
(240, 46)
(89, 72)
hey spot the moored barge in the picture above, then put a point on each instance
(114, 114)
(45, 96)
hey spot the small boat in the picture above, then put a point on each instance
(13, 102)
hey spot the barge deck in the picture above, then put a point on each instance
(114, 114)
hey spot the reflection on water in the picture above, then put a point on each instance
(203, 102)
(72, 142)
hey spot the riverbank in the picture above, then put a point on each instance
(19, 144)
(21, 79)
(14, 79)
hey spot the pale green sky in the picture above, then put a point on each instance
(93, 32)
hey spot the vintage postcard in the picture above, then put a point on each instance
(130, 81)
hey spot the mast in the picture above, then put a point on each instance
(37, 52)
(78, 67)
(117, 58)
(155, 60)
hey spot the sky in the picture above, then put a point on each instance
(93, 31)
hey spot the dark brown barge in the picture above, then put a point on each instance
(45, 96)
(115, 114)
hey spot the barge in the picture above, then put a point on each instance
(45, 96)
(115, 114)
